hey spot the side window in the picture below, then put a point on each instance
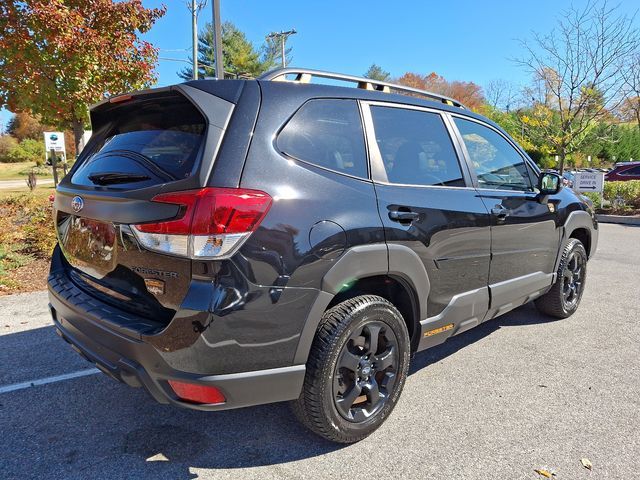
(496, 163)
(327, 133)
(416, 148)
(631, 171)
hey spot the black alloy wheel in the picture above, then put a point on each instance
(573, 279)
(357, 366)
(366, 371)
(563, 298)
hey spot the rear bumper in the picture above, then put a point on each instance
(137, 363)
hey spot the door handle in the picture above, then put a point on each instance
(403, 216)
(500, 212)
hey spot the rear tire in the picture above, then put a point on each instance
(356, 369)
(564, 297)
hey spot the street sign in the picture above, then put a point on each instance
(54, 144)
(589, 182)
(54, 141)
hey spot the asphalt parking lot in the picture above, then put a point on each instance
(520, 393)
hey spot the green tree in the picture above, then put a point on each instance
(28, 150)
(625, 145)
(375, 72)
(272, 53)
(240, 56)
(59, 56)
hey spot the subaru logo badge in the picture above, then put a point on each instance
(77, 203)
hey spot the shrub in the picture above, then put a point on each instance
(621, 196)
(42, 171)
(7, 143)
(594, 197)
(27, 221)
(628, 191)
(27, 150)
(10, 259)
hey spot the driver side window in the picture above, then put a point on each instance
(497, 164)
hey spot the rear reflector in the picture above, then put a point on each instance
(212, 222)
(191, 392)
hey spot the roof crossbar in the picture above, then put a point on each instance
(304, 75)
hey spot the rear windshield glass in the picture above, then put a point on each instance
(148, 142)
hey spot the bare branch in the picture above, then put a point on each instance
(578, 74)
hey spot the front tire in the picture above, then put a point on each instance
(565, 295)
(357, 367)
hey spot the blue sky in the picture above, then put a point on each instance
(461, 39)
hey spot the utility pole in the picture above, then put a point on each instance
(283, 40)
(217, 41)
(194, 7)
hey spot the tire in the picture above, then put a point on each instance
(564, 297)
(333, 404)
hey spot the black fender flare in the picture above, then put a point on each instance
(360, 262)
(575, 220)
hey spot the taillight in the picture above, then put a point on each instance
(212, 222)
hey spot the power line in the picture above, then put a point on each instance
(168, 59)
(282, 35)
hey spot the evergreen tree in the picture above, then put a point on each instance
(241, 58)
(375, 72)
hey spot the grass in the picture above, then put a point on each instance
(41, 191)
(17, 171)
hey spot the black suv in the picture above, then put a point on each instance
(239, 242)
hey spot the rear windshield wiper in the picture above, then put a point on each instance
(111, 178)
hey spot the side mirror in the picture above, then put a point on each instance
(549, 183)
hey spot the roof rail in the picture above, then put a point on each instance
(304, 75)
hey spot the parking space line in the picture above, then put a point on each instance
(44, 381)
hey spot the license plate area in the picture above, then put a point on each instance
(88, 245)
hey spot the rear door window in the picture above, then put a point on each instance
(416, 148)
(327, 133)
(146, 142)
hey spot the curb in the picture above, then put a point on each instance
(619, 219)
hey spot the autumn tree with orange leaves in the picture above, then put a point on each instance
(59, 56)
(467, 93)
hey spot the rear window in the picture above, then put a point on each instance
(327, 133)
(152, 141)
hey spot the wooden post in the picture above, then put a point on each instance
(54, 165)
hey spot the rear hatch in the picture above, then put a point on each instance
(143, 147)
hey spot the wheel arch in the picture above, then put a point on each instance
(584, 235)
(392, 288)
(394, 272)
(582, 226)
